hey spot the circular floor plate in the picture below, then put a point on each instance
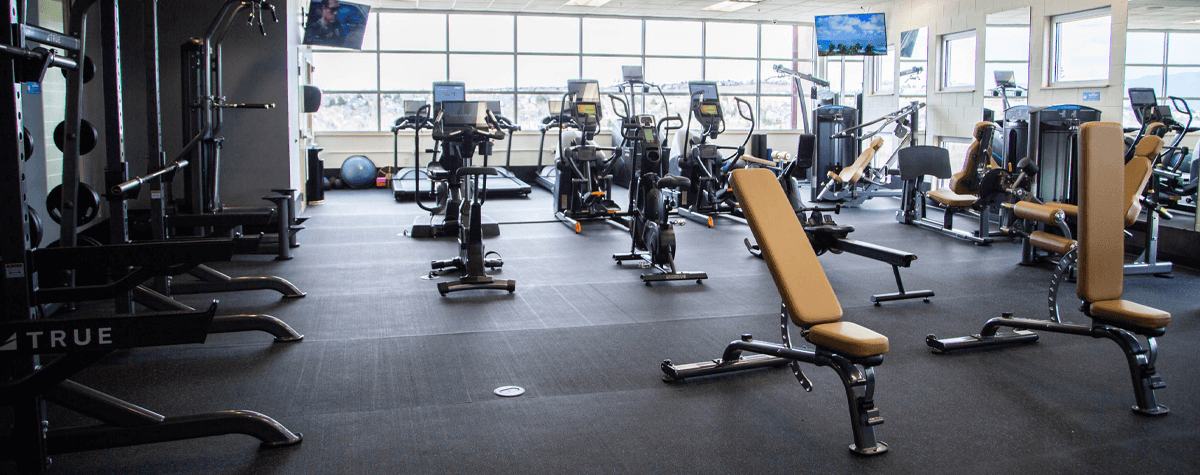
(509, 391)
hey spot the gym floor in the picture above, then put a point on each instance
(393, 378)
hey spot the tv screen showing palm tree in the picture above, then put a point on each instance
(852, 35)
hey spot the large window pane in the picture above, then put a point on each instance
(347, 113)
(1144, 76)
(958, 62)
(677, 103)
(739, 40)
(775, 114)
(483, 72)
(671, 73)
(777, 41)
(854, 78)
(408, 72)
(805, 41)
(732, 75)
(1142, 47)
(344, 71)
(607, 70)
(612, 36)
(481, 33)
(544, 34)
(531, 109)
(546, 73)
(1185, 49)
(1007, 43)
(775, 83)
(1184, 82)
(391, 106)
(413, 31)
(673, 38)
(885, 72)
(1081, 49)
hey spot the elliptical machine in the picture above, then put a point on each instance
(702, 162)
(583, 181)
(462, 128)
(650, 203)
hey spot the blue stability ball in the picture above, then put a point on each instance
(358, 172)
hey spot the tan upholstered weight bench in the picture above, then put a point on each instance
(1101, 247)
(810, 303)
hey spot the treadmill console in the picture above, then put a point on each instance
(448, 91)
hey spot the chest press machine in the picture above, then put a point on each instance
(809, 302)
(1101, 258)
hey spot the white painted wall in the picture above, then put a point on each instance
(954, 114)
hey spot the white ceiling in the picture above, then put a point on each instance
(767, 10)
(1174, 14)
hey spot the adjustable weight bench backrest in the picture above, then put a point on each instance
(1101, 233)
(1138, 171)
(810, 300)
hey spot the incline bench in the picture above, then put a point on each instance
(808, 300)
(1101, 248)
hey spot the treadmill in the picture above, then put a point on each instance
(404, 185)
(505, 183)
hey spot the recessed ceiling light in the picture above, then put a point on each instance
(730, 6)
(585, 3)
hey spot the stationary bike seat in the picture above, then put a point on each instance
(833, 230)
(672, 181)
(476, 171)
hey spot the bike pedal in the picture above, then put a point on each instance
(678, 222)
(643, 265)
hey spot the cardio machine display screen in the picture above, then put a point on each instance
(648, 135)
(703, 91)
(585, 109)
(464, 114)
(709, 109)
(442, 93)
(1142, 97)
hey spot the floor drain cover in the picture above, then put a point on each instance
(509, 391)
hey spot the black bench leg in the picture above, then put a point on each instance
(1141, 368)
(864, 416)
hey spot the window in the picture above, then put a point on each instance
(524, 61)
(958, 61)
(883, 72)
(1080, 47)
(1166, 61)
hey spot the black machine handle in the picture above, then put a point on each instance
(624, 106)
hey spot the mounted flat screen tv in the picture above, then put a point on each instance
(852, 35)
(336, 23)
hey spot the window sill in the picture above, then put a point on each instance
(1078, 85)
(946, 90)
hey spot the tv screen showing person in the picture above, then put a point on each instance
(336, 23)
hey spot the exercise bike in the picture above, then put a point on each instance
(702, 162)
(463, 128)
(650, 202)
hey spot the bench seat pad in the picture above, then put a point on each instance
(1051, 242)
(950, 198)
(848, 339)
(1130, 313)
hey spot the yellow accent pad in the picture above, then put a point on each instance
(1051, 242)
(1131, 313)
(798, 275)
(1038, 212)
(950, 198)
(848, 338)
(853, 173)
(1102, 210)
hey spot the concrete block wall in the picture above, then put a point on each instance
(953, 114)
